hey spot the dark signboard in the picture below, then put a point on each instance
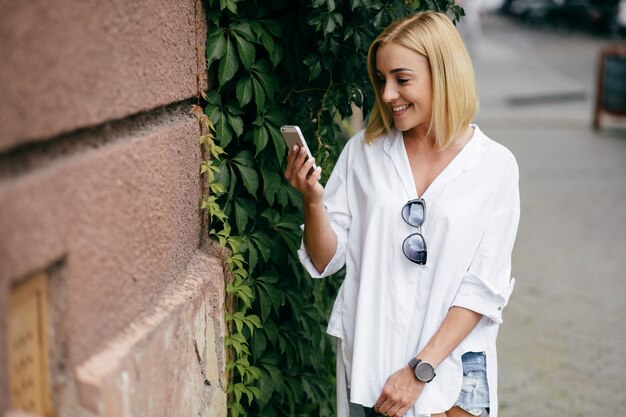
(611, 85)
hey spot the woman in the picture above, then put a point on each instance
(422, 208)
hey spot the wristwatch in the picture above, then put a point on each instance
(423, 370)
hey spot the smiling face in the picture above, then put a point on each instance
(405, 86)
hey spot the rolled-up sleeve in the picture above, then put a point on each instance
(487, 284)
(335, 264)
(336, 202)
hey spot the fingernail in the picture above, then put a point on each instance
(302, 150)
(295, 148)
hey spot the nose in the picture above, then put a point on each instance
(390, 93)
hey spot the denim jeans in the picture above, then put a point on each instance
(474, 397)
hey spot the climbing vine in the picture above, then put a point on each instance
(272, 63)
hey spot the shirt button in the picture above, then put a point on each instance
(499, 308)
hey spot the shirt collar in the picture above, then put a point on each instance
(467, 159)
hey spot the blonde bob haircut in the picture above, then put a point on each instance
(454, 97)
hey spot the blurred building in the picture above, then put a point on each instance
(469, 26)
(111, 304)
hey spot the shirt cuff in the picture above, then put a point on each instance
(477, 295)
(335, 264)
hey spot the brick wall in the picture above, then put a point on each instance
(99, 196)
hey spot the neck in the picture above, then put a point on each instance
(463, 138)
(418, 138)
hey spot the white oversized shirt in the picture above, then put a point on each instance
(388, 307)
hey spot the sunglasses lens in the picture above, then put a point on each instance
(414, 248)
(413, 213)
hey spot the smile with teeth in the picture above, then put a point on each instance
(400, 108)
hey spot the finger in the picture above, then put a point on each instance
(402, 411)
(379, 402)
(314, 177)
(393, 410)
(291, 157)
(302, 156)
(303, 172)
(385, 406)
(300, 159)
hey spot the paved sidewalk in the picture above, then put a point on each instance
(563, 343)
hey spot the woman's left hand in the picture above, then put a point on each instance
(399, 394)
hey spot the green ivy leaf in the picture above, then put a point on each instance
(271, 184)
(269, 297)
(244, 28)
(267, 389)
(315, 67)
(244, 210)
(275, 117)
(235, 243)
(260, 139)
(267, 41)
(244, 90)
(230, 5)
(228, 64)
(236, 123)
(214, 112)
(241, 217)
(272, 27)
(215, 45)
(246, 52)
(253, 257)
(276, 55)
(223, 132)
(271, 331)
(260, 240)
(245, 158)
(279, 144)
(250, 178)
(259, 94)
(328, 23)
(262, 71)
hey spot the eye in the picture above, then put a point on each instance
(381, 81)
(402, 81)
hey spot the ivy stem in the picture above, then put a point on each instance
(204, 227)
(305, 90)
(318, 134)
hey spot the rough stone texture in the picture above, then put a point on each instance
(165, 363)
(68, 64)
(124, 218)
(100, 189)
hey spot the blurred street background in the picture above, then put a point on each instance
(563, 343)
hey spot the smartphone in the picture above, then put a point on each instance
(293, 136)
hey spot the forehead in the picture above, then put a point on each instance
(391, 55)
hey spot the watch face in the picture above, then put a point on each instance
(424, 372)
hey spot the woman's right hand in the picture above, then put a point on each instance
(296, 173)
(319, 238)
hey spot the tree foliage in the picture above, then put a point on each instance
(273, 63)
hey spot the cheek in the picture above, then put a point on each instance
(426, 97)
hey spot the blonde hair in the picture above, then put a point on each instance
(454, 97)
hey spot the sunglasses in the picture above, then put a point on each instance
(414, 246)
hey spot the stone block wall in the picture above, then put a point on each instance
(99, 198)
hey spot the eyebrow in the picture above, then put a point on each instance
(393, 71)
